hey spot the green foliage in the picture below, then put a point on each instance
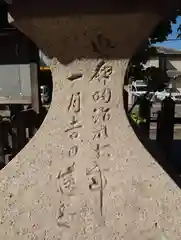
(137, 119)
(153, 76)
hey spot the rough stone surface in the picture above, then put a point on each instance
(85, 175)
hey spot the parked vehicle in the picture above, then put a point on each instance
(174, 93)
(44, 93)
(139, 88)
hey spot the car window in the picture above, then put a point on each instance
(142, 89)
(172, 90)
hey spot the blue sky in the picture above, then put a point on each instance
(172, 44)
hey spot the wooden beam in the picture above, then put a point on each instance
(35, 92)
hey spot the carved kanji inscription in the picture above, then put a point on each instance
(101, 132)
(66, 180)
(74, 135)
(65, 216)
(74, 104)
(97, 181)
(104, 95)
(99, 150)
(61, 213)
(75, 76)
(74, 124)
(102, 73)
(101, 114)
(73, 151)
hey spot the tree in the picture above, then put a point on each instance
(154, 77)
(159, 34)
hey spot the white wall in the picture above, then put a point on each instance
(176, 63)
(152, 62)
(171, 63)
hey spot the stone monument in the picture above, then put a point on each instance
(85, 175)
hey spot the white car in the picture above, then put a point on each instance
(138, 88)
(174, 93)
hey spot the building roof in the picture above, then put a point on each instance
(168, 51)
(173, 73)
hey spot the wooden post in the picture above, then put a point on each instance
(125, 96)
(35, 91)
(162, 62)
(21, 132)
(19, 129)
(31, 118)
(144, 113)
(165, 126)
(2, 156)
(14, 141)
